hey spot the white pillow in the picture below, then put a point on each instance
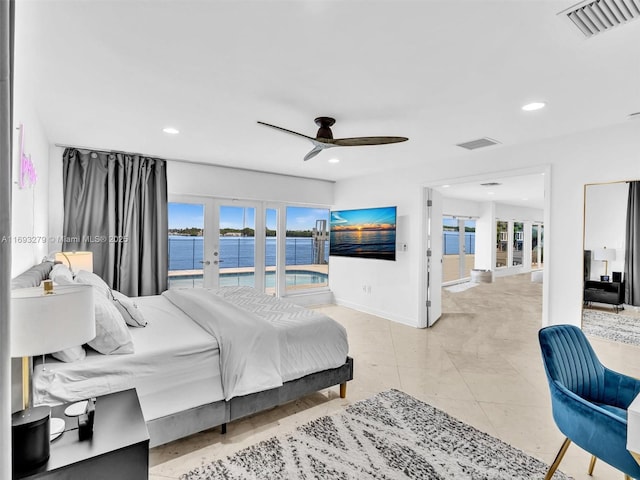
(61, 274)
(129, 310)
(90, 278)
(112, 334)
(72, 354)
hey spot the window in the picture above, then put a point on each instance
(502, 243)
(306, 248)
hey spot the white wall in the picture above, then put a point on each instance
(518, 214)
(587, 157)
(605, 224)
(394, 286)
(188, 178)
(485, 237)
(460, 207)
(29, 205)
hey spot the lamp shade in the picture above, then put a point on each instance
(46, 323)
(76, 261)
(607, 254)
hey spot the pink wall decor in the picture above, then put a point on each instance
(27, 174)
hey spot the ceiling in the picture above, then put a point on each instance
(113, 74)
(519, 190)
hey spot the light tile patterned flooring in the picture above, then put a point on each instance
(480, 363)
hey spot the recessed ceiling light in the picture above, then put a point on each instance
(529, 107)
(525, 199)
(446, 186)
(171, 130)
(334, 160)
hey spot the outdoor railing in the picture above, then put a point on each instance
(186, 253)
(450, 243)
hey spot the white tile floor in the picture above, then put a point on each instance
(480, 363)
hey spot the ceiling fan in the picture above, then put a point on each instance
(324, 137)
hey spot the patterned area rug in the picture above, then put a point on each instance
(612, 326)
(389, 436)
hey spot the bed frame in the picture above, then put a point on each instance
(172, 427)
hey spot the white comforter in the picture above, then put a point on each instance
(263, 341)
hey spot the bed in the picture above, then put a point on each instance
(194, 370)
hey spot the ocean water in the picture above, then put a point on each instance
(450, 243)
(365, 244)
(185, 253)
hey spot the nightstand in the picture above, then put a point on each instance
(118, 449)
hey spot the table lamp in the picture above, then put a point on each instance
(606, 255)
(76, 261)
(44, 320)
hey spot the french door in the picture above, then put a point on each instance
(213, 242)
(433, 264)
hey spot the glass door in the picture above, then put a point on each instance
(235, 251)
(186, 221)
(537, 231)
(458, 248)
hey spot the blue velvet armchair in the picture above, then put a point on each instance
(589, 401)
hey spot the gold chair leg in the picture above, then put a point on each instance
(627, 477)
(592, 464)
(556, 462)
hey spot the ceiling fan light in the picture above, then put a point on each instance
(530, 107)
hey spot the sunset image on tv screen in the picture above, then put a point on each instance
(365, 233)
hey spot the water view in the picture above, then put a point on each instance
(186, 253)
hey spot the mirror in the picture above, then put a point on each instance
(610, 303)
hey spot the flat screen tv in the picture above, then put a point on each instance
(364, 233)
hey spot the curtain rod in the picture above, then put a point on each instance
(179, 160)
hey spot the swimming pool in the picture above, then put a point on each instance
(295, 278)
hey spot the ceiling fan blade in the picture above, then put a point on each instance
(285, 130)
(316, 150)
(358, 141)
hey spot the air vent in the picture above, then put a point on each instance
(490, 184)
(600, 16)
(481, 142)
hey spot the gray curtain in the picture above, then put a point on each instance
(632, 247)
(115, 205)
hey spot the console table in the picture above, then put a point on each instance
(118, 449)
(611, 293)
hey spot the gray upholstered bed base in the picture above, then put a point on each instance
(181, 424)
(166, 429)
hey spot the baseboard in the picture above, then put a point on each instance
(378, 313)
(311, 299)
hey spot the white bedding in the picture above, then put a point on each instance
(177, 364)
(263, 341)
(174, 367)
